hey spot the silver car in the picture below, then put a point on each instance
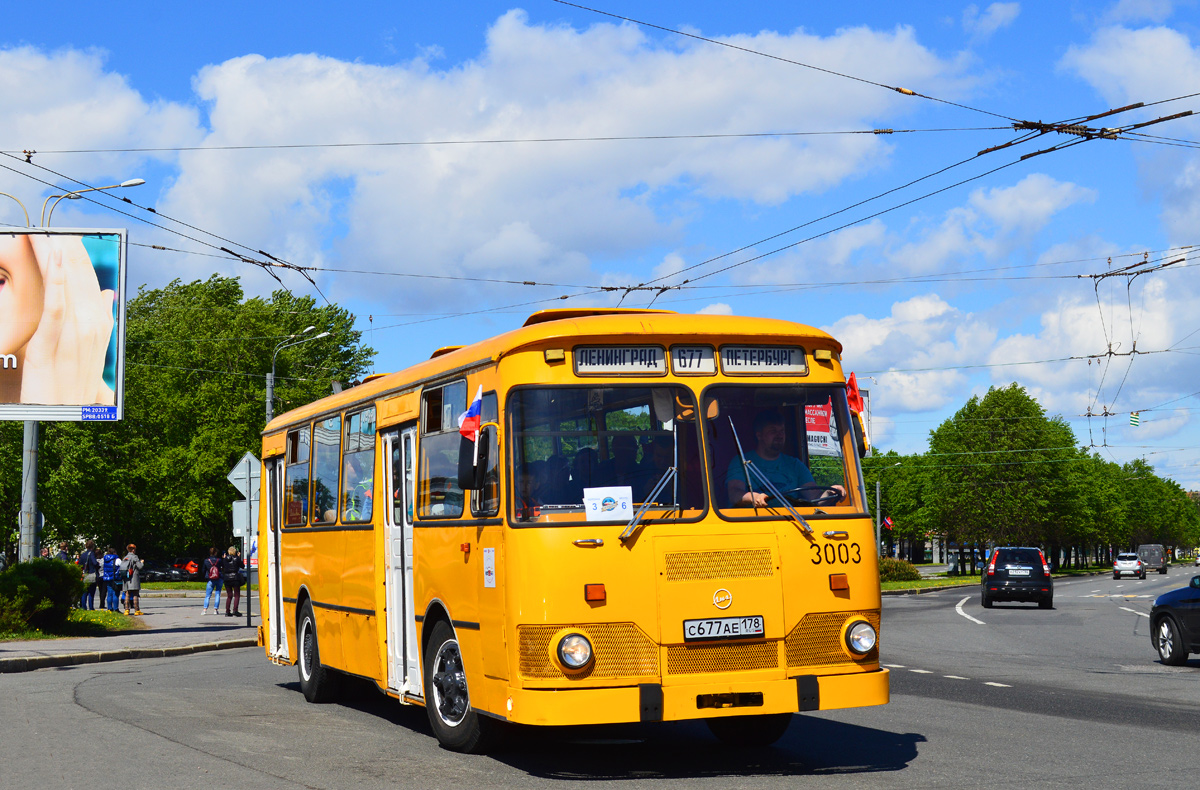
(1128, 564)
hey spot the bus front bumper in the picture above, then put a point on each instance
(700, 701)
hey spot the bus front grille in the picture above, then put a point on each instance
(700, 565)
(622, 650)
(817, 639)
(702, 659)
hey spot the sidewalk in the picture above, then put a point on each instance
(174, 626)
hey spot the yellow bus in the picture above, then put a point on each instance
(662, 517)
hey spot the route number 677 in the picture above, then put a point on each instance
(836, 554)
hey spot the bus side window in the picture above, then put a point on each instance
(438, 494)
(358, 466)
(328, 436)
(296, 478)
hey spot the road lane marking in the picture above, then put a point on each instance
(959, 609)
(998, 685)
(1095, 591)
(1135, 611)
(1119, 586)
(921, 671)
(894, 666)
(955, 677)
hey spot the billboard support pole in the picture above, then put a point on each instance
(30, 527)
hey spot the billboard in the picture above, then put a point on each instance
(62, 324)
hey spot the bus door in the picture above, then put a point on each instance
(404, 674)
(276, 637)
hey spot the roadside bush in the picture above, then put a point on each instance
(38, 594)
(894, 570)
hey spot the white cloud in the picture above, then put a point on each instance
(1160, 425)
(716, 308)
(995, 17)
(67, 100)
(1150, 64)
(1139, 11)
(913, 351)
(465, 209)
(992, 223)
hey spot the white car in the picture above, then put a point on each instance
(1128, 564)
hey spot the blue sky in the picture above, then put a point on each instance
(932, 299)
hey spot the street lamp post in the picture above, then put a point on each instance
(19, 203)
(271, 376)
(74, 195)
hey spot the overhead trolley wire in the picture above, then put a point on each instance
(499, 141)
(904, 91)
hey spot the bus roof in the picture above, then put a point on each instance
(550, 325)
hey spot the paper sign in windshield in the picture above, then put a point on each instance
(610, 503)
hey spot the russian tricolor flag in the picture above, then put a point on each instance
(469, 420)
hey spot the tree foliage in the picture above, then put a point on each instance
(1000, 471)
(196, 364)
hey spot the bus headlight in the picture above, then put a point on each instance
(574, 651)
(861, 638)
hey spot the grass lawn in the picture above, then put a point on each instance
(80, 622)
(173, 585)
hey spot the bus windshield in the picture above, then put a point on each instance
(767, 442)
(568, 442)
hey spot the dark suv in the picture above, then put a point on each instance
(1017, 574)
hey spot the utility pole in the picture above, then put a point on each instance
(29, 539)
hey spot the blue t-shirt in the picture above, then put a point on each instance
(785, 472)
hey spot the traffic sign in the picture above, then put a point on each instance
(245, 517)
(245, 476)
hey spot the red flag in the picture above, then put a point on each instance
(853, 396)
(887, 521)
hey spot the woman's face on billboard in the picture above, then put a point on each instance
(22, 292)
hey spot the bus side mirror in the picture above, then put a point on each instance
(860, 435)
(1196, 581)
(470, 473)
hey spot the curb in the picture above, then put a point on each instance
(30, 663)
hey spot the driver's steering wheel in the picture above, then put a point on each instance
(812, 494)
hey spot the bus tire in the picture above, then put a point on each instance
(318, 682)
(760, 730)
(457, 726)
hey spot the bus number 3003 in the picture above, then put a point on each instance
(834, 554)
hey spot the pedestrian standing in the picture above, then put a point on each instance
(62, 552)
(90, 565)
(231, 574)
(110, 585)
(133, 581)
(210, 570)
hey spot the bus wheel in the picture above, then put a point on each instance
(318, 683)
(762, 730)
(457, 726)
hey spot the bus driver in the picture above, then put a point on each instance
(785, 472)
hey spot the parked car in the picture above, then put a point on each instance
(1175, 623)
(1017, 573)
(1154, 556)
(188, 565)
(1129, 564)
(161, 571)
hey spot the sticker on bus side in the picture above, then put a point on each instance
(693, 360)
(763, 361)
(620, 361)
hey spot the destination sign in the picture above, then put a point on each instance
(763, 361)
(693, 360)
(620, 361)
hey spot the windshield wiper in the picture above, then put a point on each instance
(751, 469)
(650, 500)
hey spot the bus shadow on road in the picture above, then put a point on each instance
(684, 750)
(677, 750)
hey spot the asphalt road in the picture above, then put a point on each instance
(1077, 699)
